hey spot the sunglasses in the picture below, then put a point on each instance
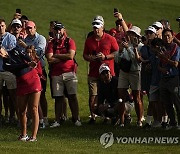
(157, 28)
(96, 23)
(16, 26)
(148, 32)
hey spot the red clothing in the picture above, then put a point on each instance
(64, 65)
(106, 45)
(178, 36)
(28, 83)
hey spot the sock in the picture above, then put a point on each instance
(165, 119)
(148, 119)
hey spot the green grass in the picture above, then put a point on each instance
(77, 16)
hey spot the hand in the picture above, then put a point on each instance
(100, 56)
(118, 15)
(17, 16)
(22, 43)
(53, 60)
(3, 53)
(135, 42)
(32, 64)
(124, 44)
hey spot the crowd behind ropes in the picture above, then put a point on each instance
(125, 65)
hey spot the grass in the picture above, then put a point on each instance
(77, 17)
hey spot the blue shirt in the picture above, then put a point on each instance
(8, 43)
(39, 42)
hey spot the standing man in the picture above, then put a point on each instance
(8, 42)
(60, 54)
(99, 48)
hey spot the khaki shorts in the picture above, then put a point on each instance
(68, 80)
(9, 79)
(92, 83)
(132, 79)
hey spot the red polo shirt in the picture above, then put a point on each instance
(106, 45)
(63, 66)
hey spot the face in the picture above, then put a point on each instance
(98, 31)
(119, 28)
(2, 28)
(168, 37)
(158, 31)
(16, 28)
(131, 36)
(106, 76)
(59, 33)
(150, 35)
(31, 31)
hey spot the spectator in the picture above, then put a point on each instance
(7, 42)
(159, 28)
(63, 73)
(131, 76)
(169, 58)
(108, 101)
(99, 48)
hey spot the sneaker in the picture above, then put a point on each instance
(78, 123)
(91, 121)
(147, 126)
(156, 124)
(31, 139)
(121, 125)
(139, 123)
(128, 120)
(22, 138)
(46, 122)
(143, 118)
(55, 124)
(42, 125)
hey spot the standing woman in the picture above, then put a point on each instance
(28, 88)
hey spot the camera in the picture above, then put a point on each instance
(18, 11)
(116, 10)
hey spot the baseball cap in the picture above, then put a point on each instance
(98, 21)
(136, 30)
(58, 26)
(178, 19)
(30, 24)
(16, 21)
(150, 28)
(157, 24)
(103, 67)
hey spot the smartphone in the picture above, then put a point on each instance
(51, 34)
(116, 10)
(18, 11)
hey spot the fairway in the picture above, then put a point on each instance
(77, 17)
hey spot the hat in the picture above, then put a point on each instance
(58, 26)
(103, 67)
(178, 19)
(16, 21)
(150, 28)
(98, 21)
(30, 24)
(112, 30)
(136, 30)
(157, 24)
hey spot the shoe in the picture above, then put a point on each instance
(147, 126)
(128, 120)
(31, 139)
(143, 118)
(92, 121)
(121, 125)
(22, 138)
(42, 125)
(139, 123)
(55, 124)
(156, 124)
(78, 123)
(46, 122)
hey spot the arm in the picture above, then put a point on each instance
(120, 18)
